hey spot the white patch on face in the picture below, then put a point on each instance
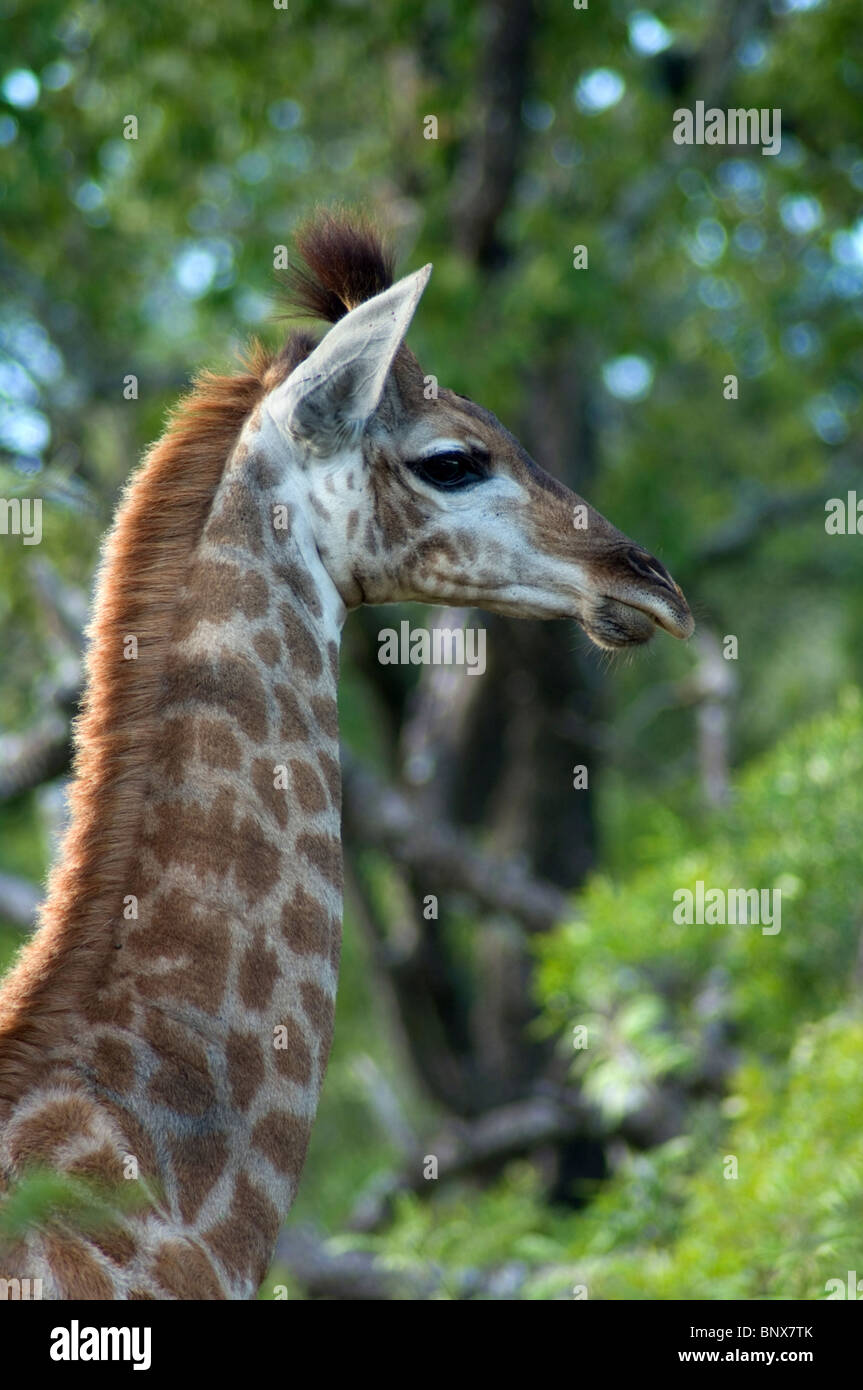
(298, 481)
(448, 446)
(326, 481)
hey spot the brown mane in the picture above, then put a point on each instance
(142, 569)
(144, 562)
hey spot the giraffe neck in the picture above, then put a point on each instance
(212, 1026)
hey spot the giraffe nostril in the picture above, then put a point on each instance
(647, 567)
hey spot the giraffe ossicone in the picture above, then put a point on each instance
(176, 1056)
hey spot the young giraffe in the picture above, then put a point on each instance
(176, 1005)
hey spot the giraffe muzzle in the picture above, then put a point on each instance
(641, 598)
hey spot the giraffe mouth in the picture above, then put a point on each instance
(615, 624)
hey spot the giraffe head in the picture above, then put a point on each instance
(415, 492)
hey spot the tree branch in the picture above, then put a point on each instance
(762, 514)
(381, 817)
(39, 755)
(353, 1275)
(464, 1147)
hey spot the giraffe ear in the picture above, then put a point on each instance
(328, 398)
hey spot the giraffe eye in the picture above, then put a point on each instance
(447, 471)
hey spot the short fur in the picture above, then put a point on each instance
(142, 570)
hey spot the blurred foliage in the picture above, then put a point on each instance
(154, 257)
(795, 824)
(670, 1224)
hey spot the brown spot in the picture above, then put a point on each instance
(308, 787)
(319, 1007)
(215, 591)
(353, 523)
(243, 1240)
(229, 682)
(111, 1006)
(306, 924)
(273, 798)
(259, 970)
(293, 1060)
(245, 1060)
(324, 852)
(113, 1063)
(116, 1244)
(173, 747)
(199, 1161)
(183, 1092)
(326, 712)
(103, 1168)
(76, 1270)
(38, 1138)
(238, 521)
(294, 726)
(258, 864)
(215, 842)
(301, 642)
(435, 547)
(333, 654)
(390, 521)
(268, 646)
(184, 1271)
(184, 736)
(336, 946)
(283, 1139)
(261, 473)
(164, 1035)
(299, 582)
(137, 1140)
(467, 545)
(217, 744)
(254, 595)
(371, 543)
(196, 940)
(182, 1083)
(412, 514)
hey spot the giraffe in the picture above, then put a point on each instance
(169, 1024)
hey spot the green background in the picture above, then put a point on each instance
(154, 257)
